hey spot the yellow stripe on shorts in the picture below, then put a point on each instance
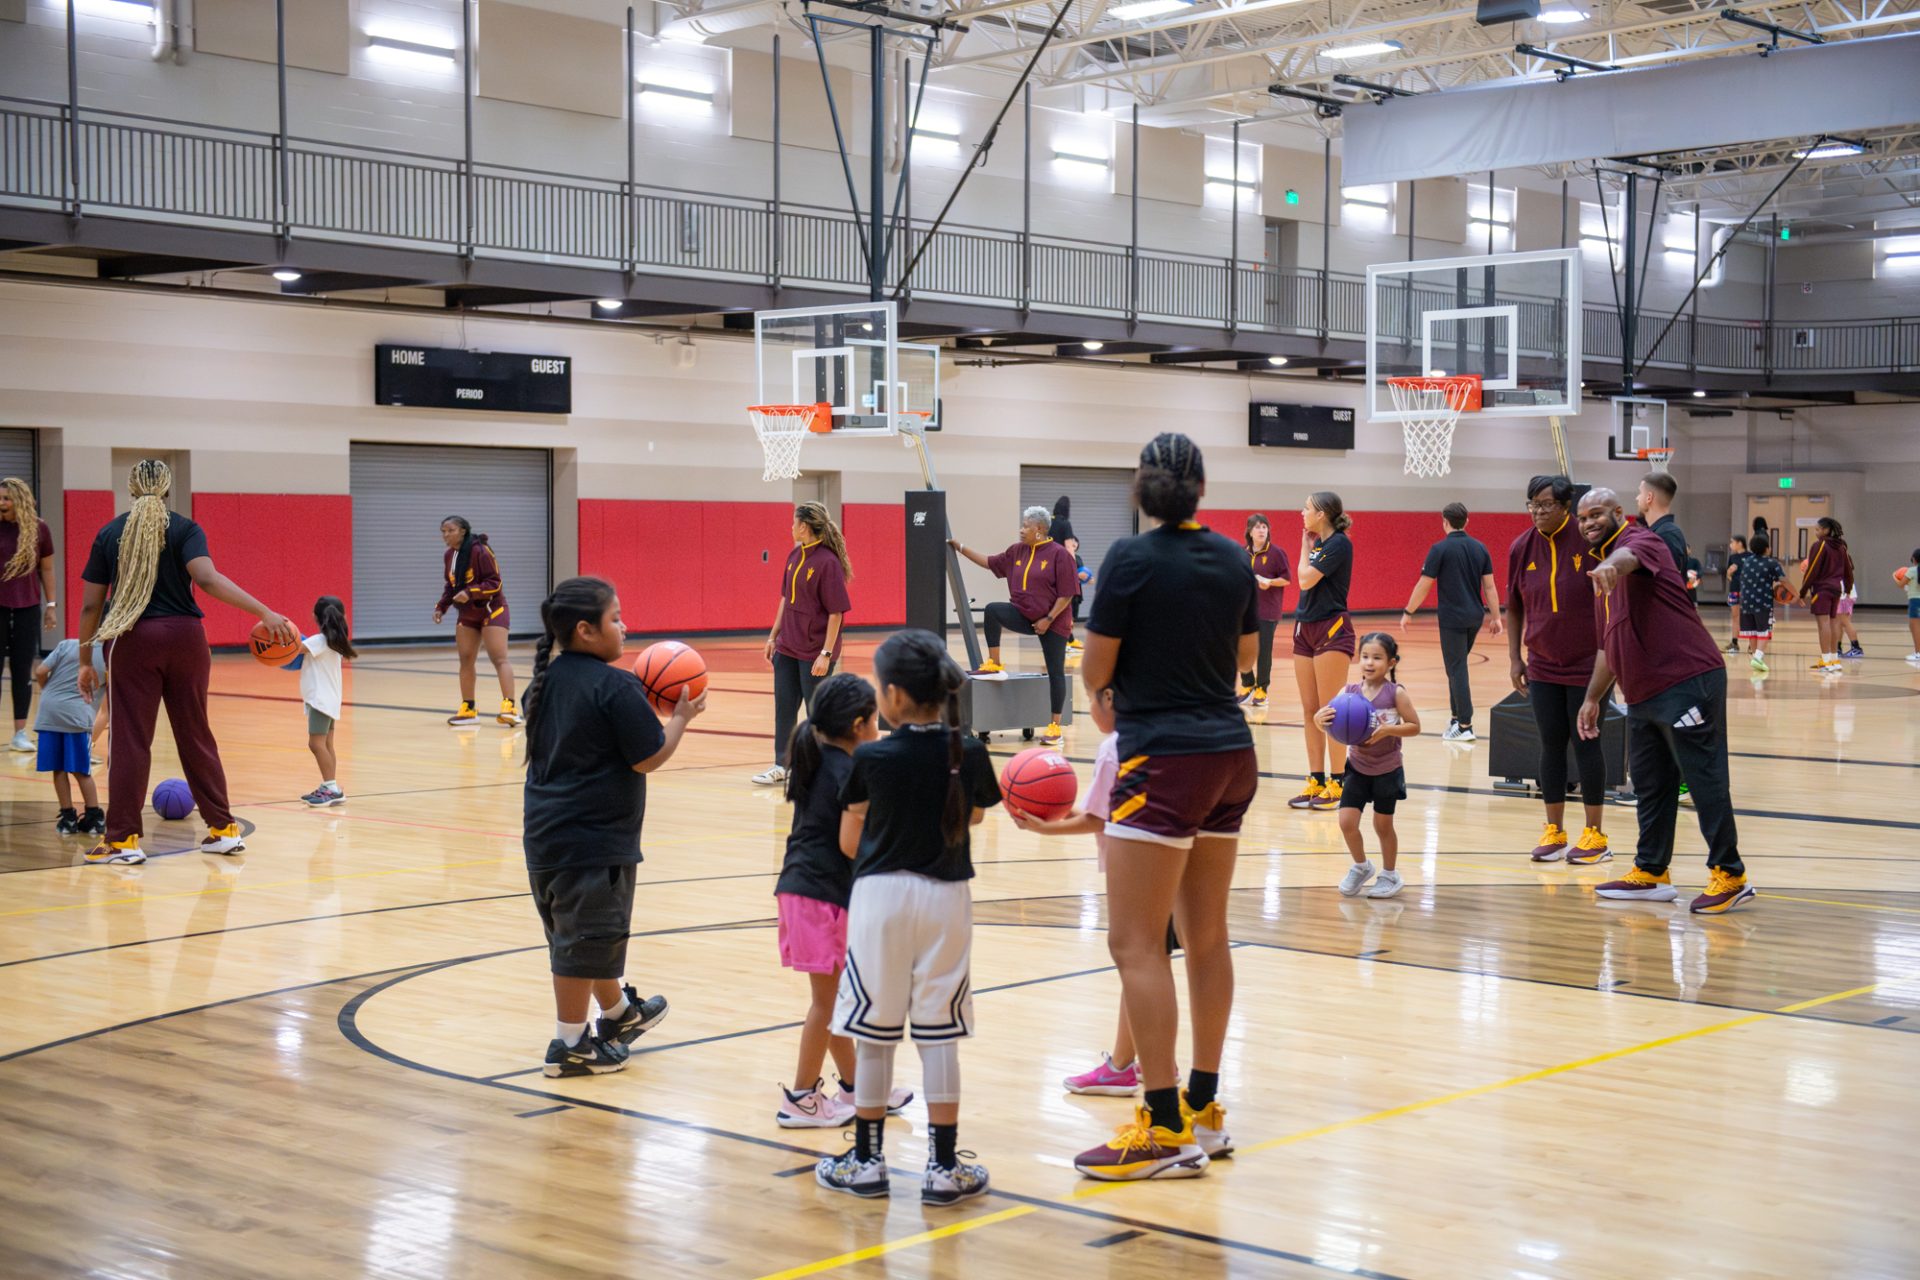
(1128, 807)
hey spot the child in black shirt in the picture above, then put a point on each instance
(910, 801)
(591, 739)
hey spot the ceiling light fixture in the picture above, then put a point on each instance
(1563, 17)
(419, 48)
(609, 304)
(1075, 157)
(1242, 183)
(1276, 361)
(286, 275)
(674, 91)
(1093, 345)
(938, 135)
(1829, 148)
(1699, 395)
(127, 10)
(1370, 49)
(1147, 9)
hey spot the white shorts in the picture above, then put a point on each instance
(909, 950)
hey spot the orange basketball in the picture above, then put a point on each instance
(666, 669)
(1039, 782)
(1782, 593)
(267, 650)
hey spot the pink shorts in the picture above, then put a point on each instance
(813, 934)
(1845, 607)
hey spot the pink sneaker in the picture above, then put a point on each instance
(896, 1101)
(1106, 1080)
(814, 1109)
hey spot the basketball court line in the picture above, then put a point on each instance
(441, 711)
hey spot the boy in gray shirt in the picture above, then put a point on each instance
(65, 731)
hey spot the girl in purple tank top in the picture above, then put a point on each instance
(1374, 773)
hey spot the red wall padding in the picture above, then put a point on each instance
(85, 511)
(284, 549)
(1389, 547)
(877, 540)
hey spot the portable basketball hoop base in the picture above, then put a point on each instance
(1429, 408)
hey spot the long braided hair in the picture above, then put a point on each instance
(815, 517)
(464, 556)
(142, 542)
(840, 701)
(1167, 485)
(573, 602)
(917, 663)
(27, 554)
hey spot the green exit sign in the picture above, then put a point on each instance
(1293, 197)
(1786, 482)
(1786, 233)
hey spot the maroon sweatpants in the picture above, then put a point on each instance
(162, 660)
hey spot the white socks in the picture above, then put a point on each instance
(619, 1010)
(569, 1033)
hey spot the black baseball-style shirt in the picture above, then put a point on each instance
(1178, 599)
(1457, 563)
(815, 867)
(1327, 598)
(902, 779)
(172, 586)
(584, 803)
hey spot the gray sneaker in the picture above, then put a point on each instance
(1357, 875)
(1457, 732)
(323, 797)
(22, 741)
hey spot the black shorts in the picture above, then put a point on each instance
(587, 913)
(1383, 791)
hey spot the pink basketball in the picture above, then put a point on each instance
(1353, 719)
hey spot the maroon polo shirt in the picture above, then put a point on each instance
(1271, 563)
(813, 586)
(1829, 568)
(22, 592)
(1036, 577)
(1548, 576)
(1651, 631)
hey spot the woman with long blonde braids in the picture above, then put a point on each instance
(26, 595)
(156, 649)
(805, 641)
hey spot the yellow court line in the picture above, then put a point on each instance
(904, 1242)
(1834, 902)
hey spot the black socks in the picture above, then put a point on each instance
(1318, 777)
(1165, 1106)
(945, 1138)
(869, 1137)
(1202, 1088)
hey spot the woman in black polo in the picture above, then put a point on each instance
(1322, 640)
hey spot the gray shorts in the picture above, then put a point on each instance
(587, 913)
(318, 722)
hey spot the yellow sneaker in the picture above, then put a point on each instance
(987, 670)
(1208, 1126)
(509, 714)
(1638, 886)
(1050, 736)
(1140, 1149)
(223, 839)
(1552, 846)
(1724, 893)
(1074, 646)
(465, 715)
(1329, 797)
(1259, 697)
(1590, 848)
(127, 851)
(1308, 794)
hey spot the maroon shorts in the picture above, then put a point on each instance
(482, 616)
(1329, 635)
(1826, 603)
(1171, 799)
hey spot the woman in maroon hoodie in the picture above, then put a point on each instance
(473, 589)
(1828, 578)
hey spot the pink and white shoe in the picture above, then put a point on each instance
(814, 1109)
(896, 1101)
(1106, 1080)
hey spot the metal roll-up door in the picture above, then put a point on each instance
(16, 455)
(400, 495)
(1102, 506)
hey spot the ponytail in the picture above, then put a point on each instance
(143, 539)
(573, 602)
(839, 702)
(1328, 504)
(815, 517)
(917, 663)
(331, 613)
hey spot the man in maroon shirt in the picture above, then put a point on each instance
(1675, 684)
(1041, 581)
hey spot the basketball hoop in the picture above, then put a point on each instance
(1655, 458)
(1429, 409)
(782, 429)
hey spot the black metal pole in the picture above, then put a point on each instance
(876, 165)
(1773, 260)
(778, 215)
(1026, 201)
(1326, 233)
(627, 254)
(73, 111)
(1629, 305)
(1693, 321)
(906, 162)
(280, 156)
(1233, 253)
(1133, 241)
(466, 111)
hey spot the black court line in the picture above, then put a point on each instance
(1118, 1237)
(541, 1111)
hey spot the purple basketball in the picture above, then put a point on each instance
(172, 799)
(1353, 719)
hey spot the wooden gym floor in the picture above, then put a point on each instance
(320, 1059)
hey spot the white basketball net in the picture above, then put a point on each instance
(1659, 458)
(1430, 414)
(782, 429)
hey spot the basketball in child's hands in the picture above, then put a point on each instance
(1353, 719)
(268, 651)
(1782, 593)
(173, 799)
(1040, 783)
(668, 668)
(1901, 575)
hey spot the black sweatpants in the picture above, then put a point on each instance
(1456, 644)
(1263, 661)
(793, 685)
(1556, 709)
(20, 641)
(1001, 615)
(1681, 736)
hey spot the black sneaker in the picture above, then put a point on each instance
(93, 822)
(68, 824)
(641, 1017)
(591, 1057)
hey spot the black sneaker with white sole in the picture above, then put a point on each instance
(68, 824)
(591, 1057)
(641, 1017)
(93, 822)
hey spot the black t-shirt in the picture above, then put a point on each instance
(1456, 564)
(1733, 568)
(815, 867)
(172, 588)
(584, 803)
(902, 778)
(1670, 533)
(1178, 600)
(1327, 598)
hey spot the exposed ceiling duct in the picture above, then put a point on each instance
(721, 20)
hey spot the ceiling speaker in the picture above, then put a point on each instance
(1497, 11)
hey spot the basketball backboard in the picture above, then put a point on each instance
(1639, 425)
(848, 357)
(1513, 319)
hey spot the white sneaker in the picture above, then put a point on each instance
(1457, 732)
(1209, 1127)
(22, 741)
(1357, 875)
(849, 1173)
(896, 1101)
(951, 1184)
(813, 1109)
(772, 777)
(1387, 885)
(1913, 657)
